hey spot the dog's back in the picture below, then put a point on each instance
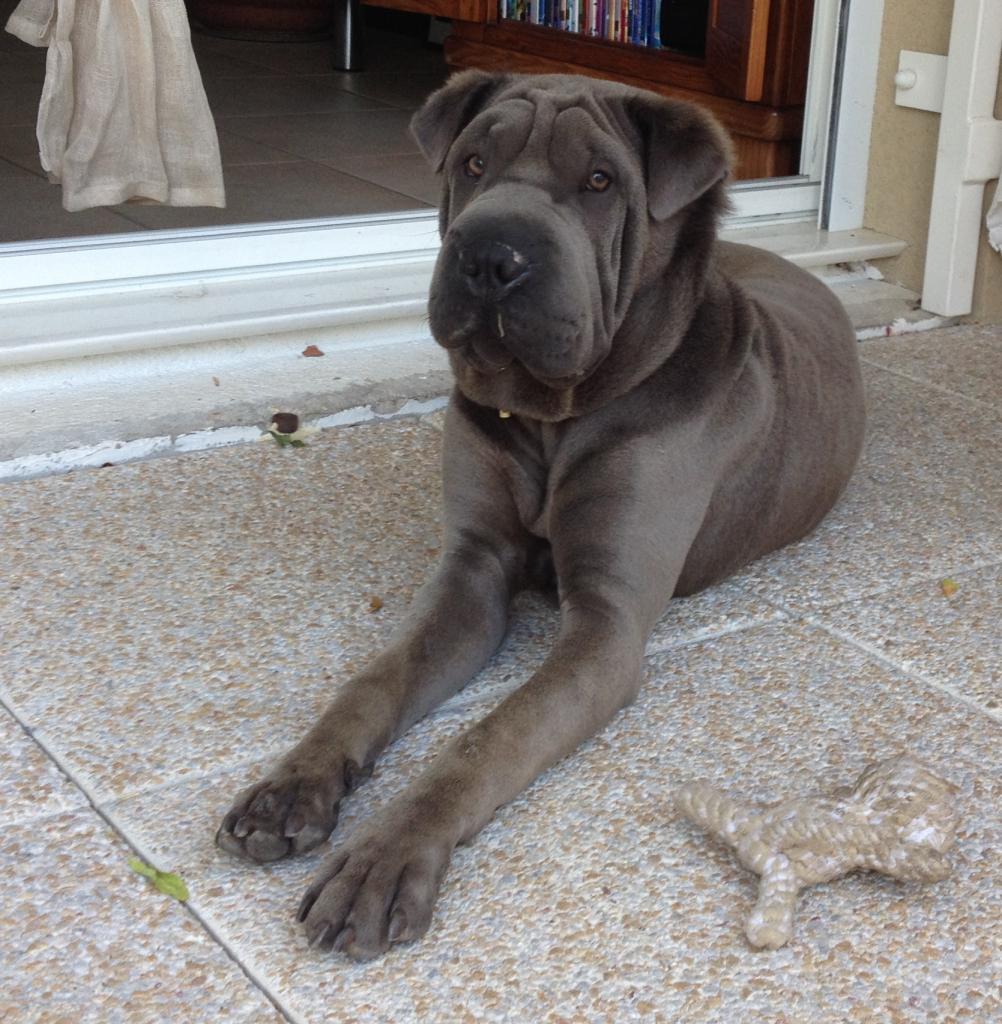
(801, 381)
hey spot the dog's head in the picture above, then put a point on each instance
(563, 199)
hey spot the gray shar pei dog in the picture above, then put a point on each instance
(639, 410)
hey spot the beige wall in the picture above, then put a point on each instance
(903, 155)
(988, 279)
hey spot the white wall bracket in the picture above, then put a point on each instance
(920, 81)
(968, 155)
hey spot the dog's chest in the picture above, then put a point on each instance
(529, 453)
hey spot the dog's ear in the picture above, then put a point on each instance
(448, 110)
(685, 149)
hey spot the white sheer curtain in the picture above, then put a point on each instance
(995, 219)
(123, 114)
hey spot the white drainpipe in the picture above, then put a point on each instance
(969, 152)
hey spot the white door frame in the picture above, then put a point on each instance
(968, 155)
(852, 93)
(74, 297)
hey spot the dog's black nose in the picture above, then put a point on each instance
(492, 269)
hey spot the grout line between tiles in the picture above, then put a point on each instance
(35, 171)
(18, 167)
(878, 591)
(293, 157)
(108, 801)
(267, 163)
(331, 112)
(206, 920)
(911, 673)
(7, 706)
(458, 704)
(369, 181)
(119, 830)
(700, 637)
(929, 384)
(300, 157)
(124, 216)
(461, 702)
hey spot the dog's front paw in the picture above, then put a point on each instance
(292, 811)
(378, 889)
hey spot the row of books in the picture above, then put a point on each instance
(622, 21)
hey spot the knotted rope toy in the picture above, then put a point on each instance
(899, 819)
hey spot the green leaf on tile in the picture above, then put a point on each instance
(285, 440)
(171, 884)
(166, 881)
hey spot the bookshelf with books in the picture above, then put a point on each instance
(744, 59)
(637, 22)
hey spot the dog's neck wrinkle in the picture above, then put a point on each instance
(527, 451)
(632, 358)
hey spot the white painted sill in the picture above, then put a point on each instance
(193, 358)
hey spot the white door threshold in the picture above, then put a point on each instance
(157, 366)
(807, 245)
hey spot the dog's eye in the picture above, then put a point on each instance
(598, 181)
(474, 166)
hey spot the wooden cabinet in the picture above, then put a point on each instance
(457, 10)
(736, 42)
(752, 75)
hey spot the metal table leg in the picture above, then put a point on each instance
(347, 55)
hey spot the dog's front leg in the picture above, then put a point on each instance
(617, 562)
(455, 624)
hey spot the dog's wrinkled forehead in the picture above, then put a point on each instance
(673, 151)
(540, 123)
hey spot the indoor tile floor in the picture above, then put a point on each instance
(298, 140)
(169, 626)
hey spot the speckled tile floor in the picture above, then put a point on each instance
(169, 626)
